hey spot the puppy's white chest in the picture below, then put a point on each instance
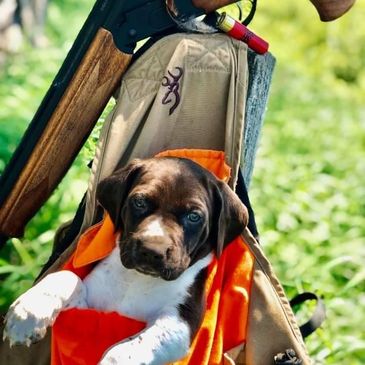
(112, 287)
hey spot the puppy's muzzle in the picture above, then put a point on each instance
(154, 256)
(150, 259)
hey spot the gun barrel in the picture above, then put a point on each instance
(84, 99)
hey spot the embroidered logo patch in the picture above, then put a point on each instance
(172, 82)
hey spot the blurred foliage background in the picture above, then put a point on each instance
(308, 189)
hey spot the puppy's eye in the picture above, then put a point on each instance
(139, 202)
(194, 217)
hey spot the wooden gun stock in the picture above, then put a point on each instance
(91, 87)
(332, 9)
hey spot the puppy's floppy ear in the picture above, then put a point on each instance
(230, 216)
(112, 191)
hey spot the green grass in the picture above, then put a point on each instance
(309, 181)
(25, 79)
(308, 189)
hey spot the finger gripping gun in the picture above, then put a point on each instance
(85, 82)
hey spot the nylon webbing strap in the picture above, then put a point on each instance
(318, 316)
(251, 14)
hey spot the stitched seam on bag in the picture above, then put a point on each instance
(195, 55)
(274, 282)
(278, 290)
(95, 177)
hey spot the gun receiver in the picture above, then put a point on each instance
(85, 82)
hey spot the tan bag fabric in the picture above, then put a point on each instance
(189, 91)
(272, 327)
(206, 108)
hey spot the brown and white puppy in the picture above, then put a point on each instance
(171, 216)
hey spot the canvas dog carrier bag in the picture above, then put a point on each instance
(186, 96)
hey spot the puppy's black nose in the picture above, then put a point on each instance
(150, 257)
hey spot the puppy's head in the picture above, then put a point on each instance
(171, 213)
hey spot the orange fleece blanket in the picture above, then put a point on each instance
(81, 336)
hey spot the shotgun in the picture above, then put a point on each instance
(77, 96)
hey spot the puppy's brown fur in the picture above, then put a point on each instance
(198, 213)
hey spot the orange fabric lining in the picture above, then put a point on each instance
(81, 336)
(214, 161)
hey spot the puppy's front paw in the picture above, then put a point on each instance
(28, 318)
(128, 353)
